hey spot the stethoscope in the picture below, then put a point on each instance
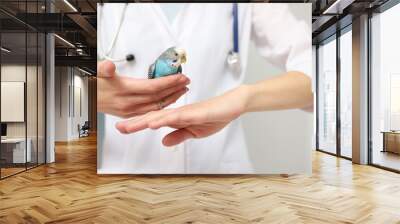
(232, 57)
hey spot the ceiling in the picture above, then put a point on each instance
(75, 21)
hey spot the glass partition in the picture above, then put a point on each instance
(22, 91)
(32, 88)
(13, 105)
(31, 99)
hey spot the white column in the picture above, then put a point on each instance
(50, 100)
(360, 90)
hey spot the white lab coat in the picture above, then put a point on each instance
(205, 32)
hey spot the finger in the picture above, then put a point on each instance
(177, 137)
(168, 120)
(122, 125)
(105, 69)
(154, 86)
(137, 124)
(140, 123)
(151, 98)
(135, 106)
(144, 108)
(179, 118)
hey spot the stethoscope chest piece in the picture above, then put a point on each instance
(233, 61)
(233, 58)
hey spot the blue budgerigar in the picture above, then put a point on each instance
(168, 63)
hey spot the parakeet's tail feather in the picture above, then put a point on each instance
(179, 69)
(151, 73)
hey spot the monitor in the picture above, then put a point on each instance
(3, 129)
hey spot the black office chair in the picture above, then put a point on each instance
(84, 130)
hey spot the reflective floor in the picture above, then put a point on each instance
(70, 191)
(387, 159)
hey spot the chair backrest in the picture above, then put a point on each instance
(86, 124)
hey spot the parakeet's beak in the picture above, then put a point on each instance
(181, 54)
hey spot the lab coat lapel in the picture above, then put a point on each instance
(177, 26)
(168, 27)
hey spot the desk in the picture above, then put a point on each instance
(391, 141)
(15, 148)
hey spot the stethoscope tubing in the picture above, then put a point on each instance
(235, 28)
(106, 54)
(113, 41)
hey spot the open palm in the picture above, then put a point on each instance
(197, 120)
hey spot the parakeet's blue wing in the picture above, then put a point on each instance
(163, 67)
(152, 71)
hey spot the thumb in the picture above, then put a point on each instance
(105, 69)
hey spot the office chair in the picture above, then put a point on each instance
(84, 130)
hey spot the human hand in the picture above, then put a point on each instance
(197, 120)
(126, 97)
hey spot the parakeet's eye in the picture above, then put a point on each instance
(176, 54)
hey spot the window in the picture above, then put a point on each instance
(394, 102)
(385, 89)
(327, 96)
(346, 93)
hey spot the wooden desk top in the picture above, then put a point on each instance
(391, 132)
(13, 140)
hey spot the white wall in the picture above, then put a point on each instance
(82, 82)
(281, 140)
(61, 103)
(80, 100)
(277, 140)
(17, 73)
(70, 83)
(14, 73)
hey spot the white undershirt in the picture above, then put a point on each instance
(171, 10)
